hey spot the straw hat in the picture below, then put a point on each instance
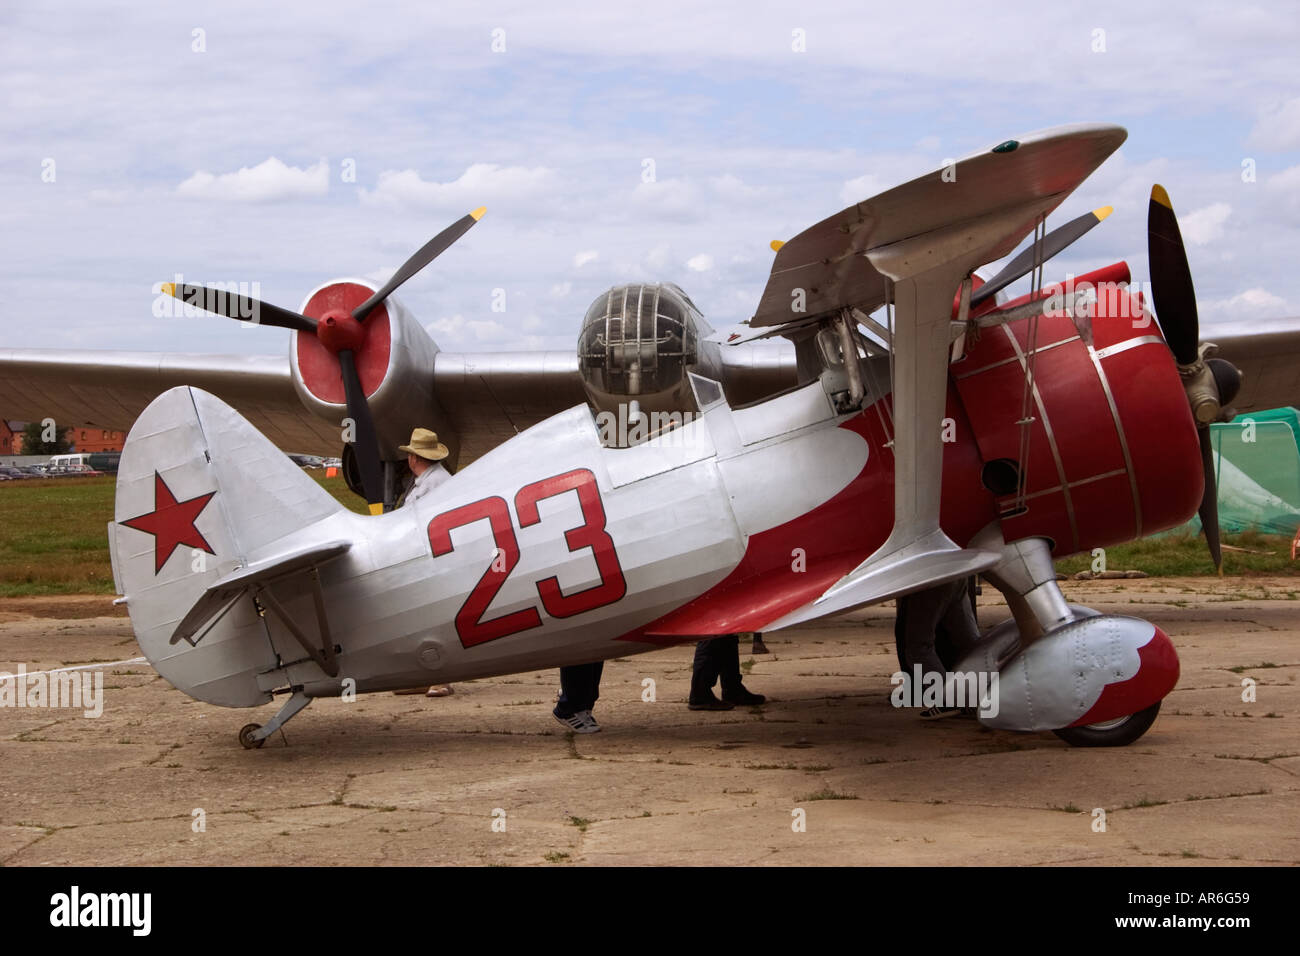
(425, 444)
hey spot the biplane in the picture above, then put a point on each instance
(924, 427)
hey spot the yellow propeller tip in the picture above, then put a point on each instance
(377, 509)
(1159, 195)
(776, 245)
(169, 288)
(478, 213)
(1103, 212)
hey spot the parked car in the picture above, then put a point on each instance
(11, 472)
(75, 470)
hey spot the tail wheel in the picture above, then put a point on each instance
(246, 736)
(1119, 732)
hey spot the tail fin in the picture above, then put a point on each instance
(199, 490)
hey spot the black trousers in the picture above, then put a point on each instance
(714, 659)
(579, 688)
(936, 627)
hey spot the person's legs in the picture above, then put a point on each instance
(959, 624)
(733, 691)
(727, 650)
(579, 688)
(579, 691)
(919, 615)
(704, 673)
(594, 672)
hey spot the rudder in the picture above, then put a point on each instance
(199, 490)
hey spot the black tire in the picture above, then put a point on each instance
(1118, 733)
(246, 737)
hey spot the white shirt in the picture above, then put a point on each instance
(425, 482)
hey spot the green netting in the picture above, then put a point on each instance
(1257, 460)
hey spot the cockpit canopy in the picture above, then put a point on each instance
(638, 339)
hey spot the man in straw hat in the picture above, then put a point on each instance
(422, 456)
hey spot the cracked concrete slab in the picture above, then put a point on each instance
(487, 777)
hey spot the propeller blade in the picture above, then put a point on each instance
(426, 254)
(1171, 279)
(1053, 243)
(235, 306)
(366, 445)
(1209, 510)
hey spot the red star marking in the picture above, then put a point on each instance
(171, 522)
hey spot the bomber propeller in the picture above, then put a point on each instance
(341, 333)
(1211, 383)
(1053, 243)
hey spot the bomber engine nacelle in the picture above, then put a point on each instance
(636, 344)
(394, 359)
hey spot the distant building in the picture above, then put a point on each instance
(11, 437)
(84, 438)
(88, 439)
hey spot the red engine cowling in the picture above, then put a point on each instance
(1113, 450)
(394, 357)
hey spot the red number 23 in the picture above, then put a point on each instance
(591, 534)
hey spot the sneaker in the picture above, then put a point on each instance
(743, 698)
(580, 722)
(938, 713)
(709, 703)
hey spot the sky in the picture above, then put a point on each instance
(286, 145)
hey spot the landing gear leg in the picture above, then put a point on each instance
(252, 736)
(1027, 579)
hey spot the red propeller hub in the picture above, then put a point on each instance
(337, 331)
(369, 341)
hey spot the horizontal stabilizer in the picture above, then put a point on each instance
(223, 592)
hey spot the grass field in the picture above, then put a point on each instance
(54, 540)
(54, 534)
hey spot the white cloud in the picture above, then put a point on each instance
(700, 263)
(561, 289)
(1284, 191)
(667, 199)
(267, 181)
(1278, 127)
(863, 187)
(659, 256)
(481, 184)
(582, 258)
(458, 330)
(735, 189)
(1251, 304)
(1204, 225)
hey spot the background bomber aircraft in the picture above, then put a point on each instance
(1003, 434)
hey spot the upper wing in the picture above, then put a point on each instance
(109, 389)
(826, 268)
(1269, 363)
